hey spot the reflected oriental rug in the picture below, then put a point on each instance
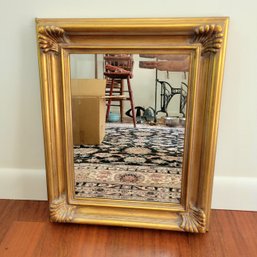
(143, 164)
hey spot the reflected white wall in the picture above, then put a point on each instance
(83, 66)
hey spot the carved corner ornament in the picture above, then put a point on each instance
(211, 38)
(194, 220)
(60, 211)
(49, 38)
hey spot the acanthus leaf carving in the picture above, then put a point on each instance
(194, 220)
(210, 36)
(60, 211)
(49, 38)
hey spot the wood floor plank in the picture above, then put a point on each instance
(20, 210)
(8, 214)
(32, 211)
(60, 240)
(21, 239)
(27, 232)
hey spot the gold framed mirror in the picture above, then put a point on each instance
(150, 162)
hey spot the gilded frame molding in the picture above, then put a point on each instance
(204, 40)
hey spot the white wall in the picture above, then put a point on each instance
(21, 140)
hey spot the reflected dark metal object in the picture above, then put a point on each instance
(167, 92)
(183, 98)
(142, 114)
(139, 113)
(168, 63)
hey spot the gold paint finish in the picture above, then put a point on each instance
(203, 43)
(49, 38)
(193, 221)
(60, 211)
(210, 36)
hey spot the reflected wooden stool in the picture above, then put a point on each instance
(117, 69)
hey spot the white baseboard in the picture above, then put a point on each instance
(23, 184)
(235, 193)
(230, 193)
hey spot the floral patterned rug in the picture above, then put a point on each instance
(143, 163)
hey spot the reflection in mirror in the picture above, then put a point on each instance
(128, 114)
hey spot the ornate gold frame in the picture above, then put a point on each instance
(204, 39)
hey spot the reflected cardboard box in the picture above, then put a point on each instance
(88, 111)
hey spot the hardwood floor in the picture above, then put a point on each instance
(25, 232)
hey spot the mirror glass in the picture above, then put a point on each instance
(128, 115)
